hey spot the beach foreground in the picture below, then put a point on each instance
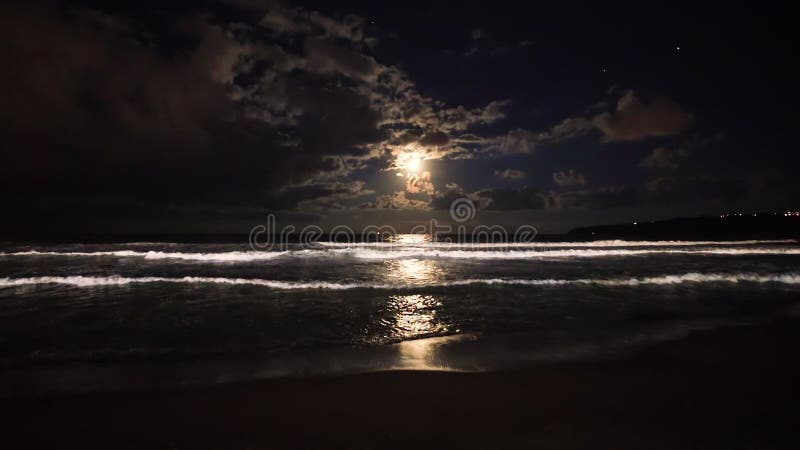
(729, 388)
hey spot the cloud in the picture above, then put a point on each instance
(570, 178)
(480, 42)
(320, 196)
(631, 120)
(514, 142)
(506, 199)
(287, 107)
(285, 20)
(434, 138)
(596, 198)
(460, 118)
(510, 174)
(529, 198)
(670, 157)
(107, 115)
(325, 56)
(635, 120)
(421, 183)
(569, 128)
(397, 200)
(471, 51)
(443, 199)
(288, 20)
(664, 158)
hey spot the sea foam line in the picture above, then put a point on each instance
(539, 244)
(691, 277)
(372, 254)
(387, 254)
(219, 256)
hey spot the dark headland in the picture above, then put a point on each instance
(765, 225)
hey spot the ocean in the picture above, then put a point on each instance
(84, 317)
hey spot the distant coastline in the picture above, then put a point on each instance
(763, 225)
(728, 226)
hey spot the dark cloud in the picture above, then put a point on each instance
(443, 199)
(568, 128)
(292, 20)
(101, 107)
(434, 138)
(88, 102)
(510, 174)
(671, 157)
(118, 110)
(514, 142)
(325, 56)
(471, 51)
(701, 188)
(397, 200)
(506, 199)
(528, 198)
(664, 158)
(569, 178)
(502, 50)
(461, 118)
(631, 120)
(634, 120)
(597, 198)
(319, 196)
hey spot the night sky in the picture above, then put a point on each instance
(201, 116)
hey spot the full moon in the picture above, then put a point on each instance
(414, 165)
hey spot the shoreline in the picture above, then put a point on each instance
(730, 387)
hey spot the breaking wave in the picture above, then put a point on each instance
(366, 253)
(538, 244)
(220, 256)
(692, 277)
(457, 252)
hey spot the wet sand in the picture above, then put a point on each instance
(730, 388)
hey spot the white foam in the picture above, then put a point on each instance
(416, 252)
(366, 253)
(539, 244)
(220, 256)
(691, 277)
(115, 280)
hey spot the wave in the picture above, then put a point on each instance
(588, 244)
(115, 280)
(220, 256)
(363, 253)
(692, 277)
(404, 253)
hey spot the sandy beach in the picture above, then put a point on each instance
(728, 388)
